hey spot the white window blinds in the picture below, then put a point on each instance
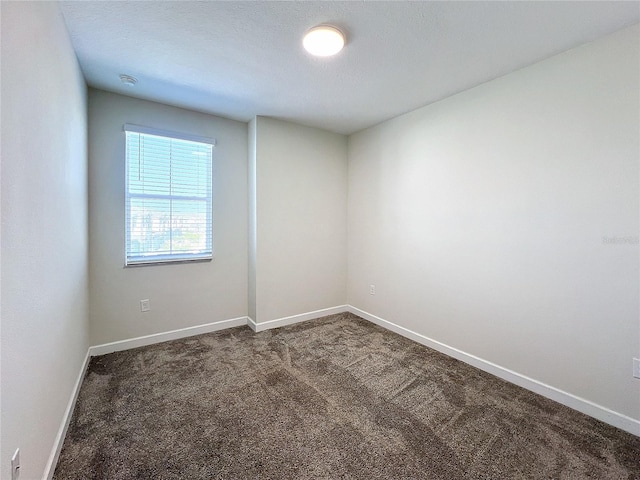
(168, 197)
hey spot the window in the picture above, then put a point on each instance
(168, 197)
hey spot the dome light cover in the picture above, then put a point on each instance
(323, 41)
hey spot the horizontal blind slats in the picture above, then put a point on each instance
(168, 196)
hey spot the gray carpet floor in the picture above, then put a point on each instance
(333, 398)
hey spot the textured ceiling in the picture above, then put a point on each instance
(240, 59)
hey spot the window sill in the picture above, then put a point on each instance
(153, 263)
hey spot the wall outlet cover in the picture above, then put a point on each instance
(145, 306)
(636, 367)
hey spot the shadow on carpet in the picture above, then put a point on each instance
(333, 398)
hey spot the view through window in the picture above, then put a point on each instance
(168, 198)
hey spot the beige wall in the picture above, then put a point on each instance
(44, 332)
(301, 236)
(480, 219)
(181, 295)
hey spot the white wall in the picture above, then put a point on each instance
(301, 220)
(181, 295)
(44, 231)
(480, 219)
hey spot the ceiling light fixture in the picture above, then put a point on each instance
(128, 80)
(323, 41)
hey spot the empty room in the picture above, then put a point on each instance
(320, 240)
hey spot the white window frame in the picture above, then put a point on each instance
(160, 259)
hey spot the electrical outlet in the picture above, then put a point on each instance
(145, 306)
(15, 465)
(636, 367)
(372, 289)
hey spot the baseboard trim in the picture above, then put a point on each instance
(165, 336)
(252, 324)
(66, 420)
(302, 317)
(587, 407)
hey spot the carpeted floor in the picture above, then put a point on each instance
(334, 398)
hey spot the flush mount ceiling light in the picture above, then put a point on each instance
(128, 80)
(323, 41)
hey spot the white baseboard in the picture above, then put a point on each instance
(66, 419)
(587, 407)
(252, 324)
(281, 322)
(165, 336)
